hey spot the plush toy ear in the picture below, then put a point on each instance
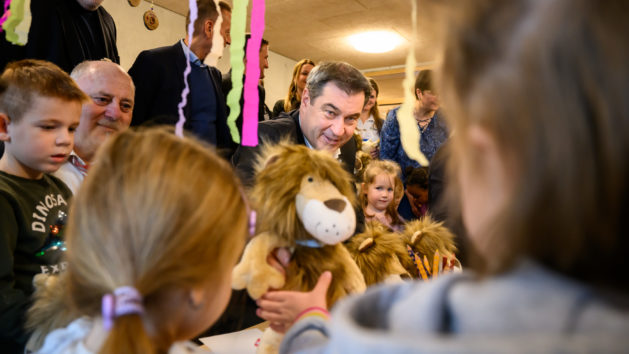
(417, 236)
(358, 165)
(270, 160)
(366, 244)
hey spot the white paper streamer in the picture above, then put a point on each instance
(217, 41)
(409, 130)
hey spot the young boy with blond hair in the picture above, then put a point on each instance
(40, 107)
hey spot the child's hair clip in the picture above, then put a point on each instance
(251, 212)
(252, 223)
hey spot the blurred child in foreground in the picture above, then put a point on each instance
(537, 97)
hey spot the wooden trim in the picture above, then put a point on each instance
(395, 71)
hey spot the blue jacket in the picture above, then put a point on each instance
(431, 139)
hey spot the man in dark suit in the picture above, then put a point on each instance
(331, 103)
(65, 32)
(227, 86)
(158, 78)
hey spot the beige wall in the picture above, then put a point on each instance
(133, 37)
(277, 76)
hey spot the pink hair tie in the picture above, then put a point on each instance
(252, 223)
(125, 300)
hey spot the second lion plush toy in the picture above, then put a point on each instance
(304, 202)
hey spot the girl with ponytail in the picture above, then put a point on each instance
(149, 254)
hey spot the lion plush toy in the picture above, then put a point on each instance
(377, 251)
(304, 202)
(425, 236)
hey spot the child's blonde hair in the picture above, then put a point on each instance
(549, 81)
(159, 213)
(392, 169)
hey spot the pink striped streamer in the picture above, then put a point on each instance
(186, 72)
(250, 112)
(5, 16)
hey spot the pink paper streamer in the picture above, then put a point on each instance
(5, 16)
(252, 99)
(186, 89)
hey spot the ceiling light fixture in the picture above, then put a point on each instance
(375, 41)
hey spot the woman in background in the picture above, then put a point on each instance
(430, 121)
(370, 124)
(297, 85)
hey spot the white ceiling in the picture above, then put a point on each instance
(317, 29)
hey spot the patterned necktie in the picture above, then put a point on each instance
(76, 161)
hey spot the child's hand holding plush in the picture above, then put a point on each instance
(283, 308)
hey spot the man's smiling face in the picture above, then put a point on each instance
(110, 107)
(328, 121)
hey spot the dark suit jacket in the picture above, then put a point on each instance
(227, 86)
(58, 34)
(272, 131)
(158, 78)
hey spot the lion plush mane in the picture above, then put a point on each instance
(425, 236)
(305, 202)
(280, 170)
(377, 251)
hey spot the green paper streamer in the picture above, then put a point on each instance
(237, 56)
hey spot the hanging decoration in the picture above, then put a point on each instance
(150, 19)
(134, 3)
(237, 54)
(252, 98)
(410, 134)
(186, 72)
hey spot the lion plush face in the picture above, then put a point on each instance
(326, 214)
(300, 194)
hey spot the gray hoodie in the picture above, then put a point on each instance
(528, 309)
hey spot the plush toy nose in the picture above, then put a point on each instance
(335, 204)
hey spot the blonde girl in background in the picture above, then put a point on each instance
(149, 257)
(380, 193)
(296, 87)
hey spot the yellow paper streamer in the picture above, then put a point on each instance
(237, 56)
(409, 130)
(25, 25)
(19, 13)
